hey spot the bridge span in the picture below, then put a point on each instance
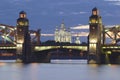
(8, 51)
(102, 46)
(41, 48)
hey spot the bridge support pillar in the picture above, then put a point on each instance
(92, 59)
(19, 52)
(95, 37)
(23, 38)
(94, 54)
(107, 59)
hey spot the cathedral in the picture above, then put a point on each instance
(62, 34)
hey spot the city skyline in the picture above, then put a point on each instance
(46, 15)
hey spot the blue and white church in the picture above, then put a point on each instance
(62, 34)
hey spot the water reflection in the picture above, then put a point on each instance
(40, 71)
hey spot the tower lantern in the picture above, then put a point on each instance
(22, 20)
(95, 11)
(22, 14)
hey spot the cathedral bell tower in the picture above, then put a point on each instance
(95, 37)
(22, 36)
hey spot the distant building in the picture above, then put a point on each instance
(77, 40)
(62, 34)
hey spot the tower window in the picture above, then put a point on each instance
(20, 30)
(94, 12)
(22, 16)
(93, 27)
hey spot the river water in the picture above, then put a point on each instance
(58, 70)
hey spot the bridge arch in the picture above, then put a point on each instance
(63, 52)
(79, 47)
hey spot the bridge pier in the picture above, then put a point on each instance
(114, 58)
(24, 46)
(95, 37)
(40, 57)
(23, 38)
(118, 59)
(110, 56)
(107, 59)
(92, 59)
(94, 54)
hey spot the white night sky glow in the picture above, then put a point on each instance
(47, 14)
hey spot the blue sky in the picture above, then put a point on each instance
(47, 14)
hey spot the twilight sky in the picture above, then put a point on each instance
(47, 14)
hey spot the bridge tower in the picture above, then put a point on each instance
(95, 37)
(23, 38)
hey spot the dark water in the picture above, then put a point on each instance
(58, 71)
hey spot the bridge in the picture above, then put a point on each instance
(41, 48)
(20, 43)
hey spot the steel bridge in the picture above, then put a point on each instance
(113, 34)
(103, 41)
(111, 38)
(8, 43)
(8, 35)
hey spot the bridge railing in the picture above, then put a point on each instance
(41, 48)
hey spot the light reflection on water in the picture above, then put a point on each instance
(49, 71)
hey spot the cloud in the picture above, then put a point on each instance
(43, 13)
(77, 13)
(71, 13)
(43, 34)
(61, 12)
(80, 27)
(73, 34)
(81, 34)
(114, 2)
(67, 3)
(110, 26)
(109, 14)
(18, 2)
(82, 12)
(111, 0)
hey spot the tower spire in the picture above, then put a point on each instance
(95, 11)
(62, 25)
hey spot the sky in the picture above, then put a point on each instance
(47, 14)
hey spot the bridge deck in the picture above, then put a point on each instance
(41, 48)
